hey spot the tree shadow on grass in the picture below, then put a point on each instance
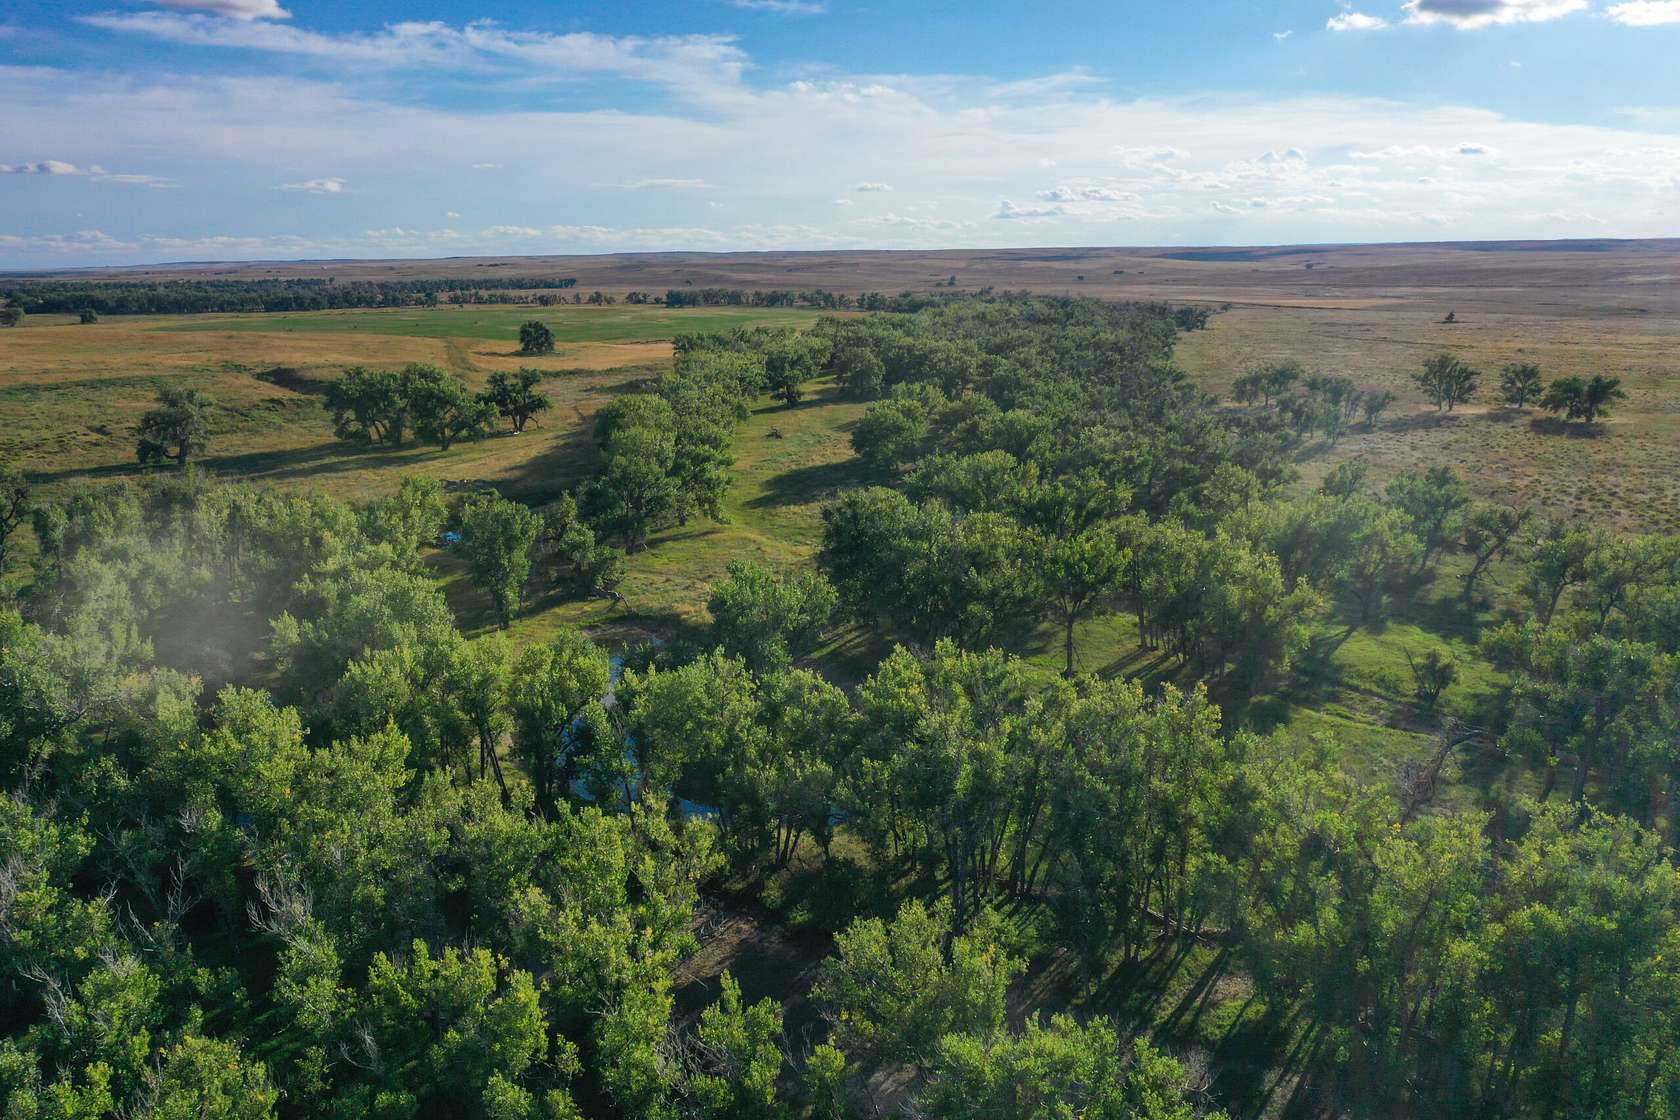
(556, 470)
(318, 460)
(1555, 426)
(805, 485)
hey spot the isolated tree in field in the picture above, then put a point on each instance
(770, 618)
(535, 338)
(442, 408)
(1374, 403)
(1434, 501)
(369, 406)
(515, 396)
(1489, 530)
(1447, 381)
(1520, 384)
(11, 315)
(1077, 574)
(178, 428)
(14, 506)
(496, 539)
(1580, 399)
(89, 315)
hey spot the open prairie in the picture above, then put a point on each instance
(71, 393)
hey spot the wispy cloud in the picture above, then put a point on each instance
(333, 185)
(873, 188)
(90, 171)
(784, 7)
(667, 184)
(683, 61)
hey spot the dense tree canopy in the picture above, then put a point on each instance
(283, 836)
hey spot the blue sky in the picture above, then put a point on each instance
(149, 130)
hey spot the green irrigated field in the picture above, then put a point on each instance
(571, 325)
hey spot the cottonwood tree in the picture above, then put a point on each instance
(1580, 399)
(1520, 383)
(792, 362)
(442, 408)
(515, 396)
(1434, 500)
(893, 990)
(11, 315)
(770, 618)
(552, 683)
(583, 564)
(535, 338)
(369, 406)
(1063, 1069)
(178, 428)
(634, 491)
(1446, 381)
(1077, 574)
(14, 507)
(1489, 530)
(496, 539)
(1374, 403)
(1267, 383)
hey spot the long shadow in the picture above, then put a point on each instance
(300, 462)
(804, 485)
(559, 468)
(1553, 426)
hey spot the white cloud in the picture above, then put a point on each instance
(91, 171)
(1470, 15)
(1009, 212)
(872, 188)
(232, 9)
(1646, 13)
(785, 7)
(1355, 21)
(699, 63)
(1326, 167)
(1280, 36)
(314, 186)
(453, 216)
(667, 184)
(487, 167)
(1089, 193)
